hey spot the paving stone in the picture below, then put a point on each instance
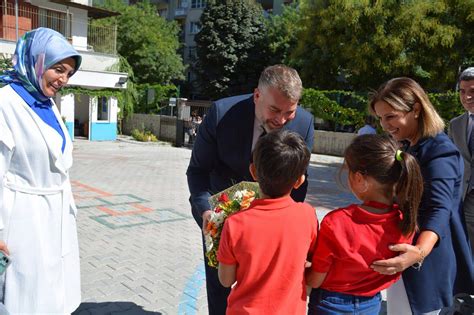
(140, 247)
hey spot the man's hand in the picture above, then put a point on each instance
(206, 215)
(4, 248)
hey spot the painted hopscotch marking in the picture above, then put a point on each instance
(121, 210)
(157, 216)
(127, 209)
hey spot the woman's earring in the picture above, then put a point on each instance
(365, 188)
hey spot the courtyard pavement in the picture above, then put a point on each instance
(140, 247)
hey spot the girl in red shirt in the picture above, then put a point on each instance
(351, 238)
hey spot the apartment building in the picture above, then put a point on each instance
(188, 12)
(87, 116)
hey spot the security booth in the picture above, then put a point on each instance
(89, 116)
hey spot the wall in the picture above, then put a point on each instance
(103, 130)
(98, 62)
(164, 127)
(98, 79)
(332, 143)
(66, 105)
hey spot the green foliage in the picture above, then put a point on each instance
(360, 44)
(447, 104)
(349, 109)
(153, 98)
(147, 41)
(283, 32)
(5, 63)
(121, 96)
(331, 111)
(128, 97)
(144, 136)
(231, 47)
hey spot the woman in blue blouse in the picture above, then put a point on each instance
(37, 210)
(438, 264)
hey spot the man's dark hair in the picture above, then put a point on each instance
(280, 158)
(467, 74)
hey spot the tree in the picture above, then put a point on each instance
(360, 44)
(283, 32)
(231, 47)
(147, 41)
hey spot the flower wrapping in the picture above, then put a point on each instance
(235, 198)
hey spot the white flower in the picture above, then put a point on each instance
(208, 241)
(217, 217)
(239, 194)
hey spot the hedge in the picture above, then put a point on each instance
(345, 108)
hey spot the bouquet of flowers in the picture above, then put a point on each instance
(223, 204)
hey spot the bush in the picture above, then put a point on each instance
(144, 136)
(153, 98)
(331, 111)
(343, 108)
(447, 104)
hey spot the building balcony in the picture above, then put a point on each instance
(180, 13)
(84, 35)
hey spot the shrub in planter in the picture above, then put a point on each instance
(144, 136)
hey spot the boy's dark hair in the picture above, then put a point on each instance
(280, 158)
(376, 156)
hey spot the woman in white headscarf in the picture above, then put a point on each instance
(37, 210)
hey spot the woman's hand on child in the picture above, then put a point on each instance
(409, 255)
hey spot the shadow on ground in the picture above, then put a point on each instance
(112, 308)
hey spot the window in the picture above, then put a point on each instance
(194, 27)
(195, 4)
(102, 109)
(163, 13)
(192, 54)
(182, 4)
(55, 20)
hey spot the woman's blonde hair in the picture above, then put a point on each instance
(402, 94)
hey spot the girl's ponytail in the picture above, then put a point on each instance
(408, 190)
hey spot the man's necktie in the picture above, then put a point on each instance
(264, 132)
(471, 150)
(471, 136)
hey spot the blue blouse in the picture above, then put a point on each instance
(448, 269)
(43, 109)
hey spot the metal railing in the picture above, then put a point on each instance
(102, 39)
(16, 22)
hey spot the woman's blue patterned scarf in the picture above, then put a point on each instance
(36, 52)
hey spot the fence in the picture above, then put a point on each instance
(201, 108)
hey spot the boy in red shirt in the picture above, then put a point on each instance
(264, 248)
